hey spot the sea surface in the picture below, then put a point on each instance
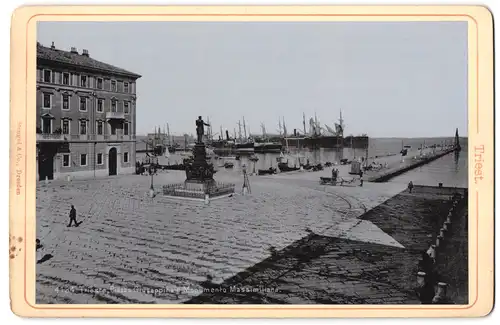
(451, 170)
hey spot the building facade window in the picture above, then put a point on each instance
(99, 83)
(65, 102)
(125, 87)
(100, 127)
(66, 127)
(113, 105)
(125, 108)
(113, 129)
(65, 161)
(83, 81)
(125, 157)
(65, 79)
(47, 101)
(113, 85)
(83, 104)
(47, 76)
(46, 125)
(83, 159)
(100, 105)
(99, 158)
(83, 127)
(125, 128)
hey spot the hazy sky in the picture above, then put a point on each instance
(403, 79)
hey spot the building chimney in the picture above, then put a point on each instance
(73, 50)
(85, 52)
(53, 46)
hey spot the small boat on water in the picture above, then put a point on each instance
(269, 171)
(283, 167)
(317, 167)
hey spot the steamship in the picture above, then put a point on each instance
(325, 137)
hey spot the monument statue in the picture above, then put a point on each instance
(199, 129)
(200, 172)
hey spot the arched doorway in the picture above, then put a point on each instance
(112, 161)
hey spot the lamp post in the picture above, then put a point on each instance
(151, 189)
(95, 156)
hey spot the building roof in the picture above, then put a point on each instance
(73, 58)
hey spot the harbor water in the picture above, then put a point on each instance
(451, 170)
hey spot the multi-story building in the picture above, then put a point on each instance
(86, 115)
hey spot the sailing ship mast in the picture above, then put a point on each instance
(304, 122)
(284, 127)
(244, 128)
(154, 139)
(168, 135)
(316, 129)
(163, 137)
(239, 131)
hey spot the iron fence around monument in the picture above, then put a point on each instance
(190, 191)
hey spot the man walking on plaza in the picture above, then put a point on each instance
(72, 217)
(410, 186)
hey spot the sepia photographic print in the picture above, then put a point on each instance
(254, 163)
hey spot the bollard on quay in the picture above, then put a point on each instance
(421, 279)
(440, 293)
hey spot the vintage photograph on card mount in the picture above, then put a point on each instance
(257, 162)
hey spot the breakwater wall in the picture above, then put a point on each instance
(387, 175)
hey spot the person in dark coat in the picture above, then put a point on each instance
(72, 217)
(410, 186)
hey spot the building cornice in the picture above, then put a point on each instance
(82, 68)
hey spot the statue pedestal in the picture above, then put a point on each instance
(199, 183)
(199, 170)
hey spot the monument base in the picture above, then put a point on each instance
(199, 184)
(204, 186)
(198, 190)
